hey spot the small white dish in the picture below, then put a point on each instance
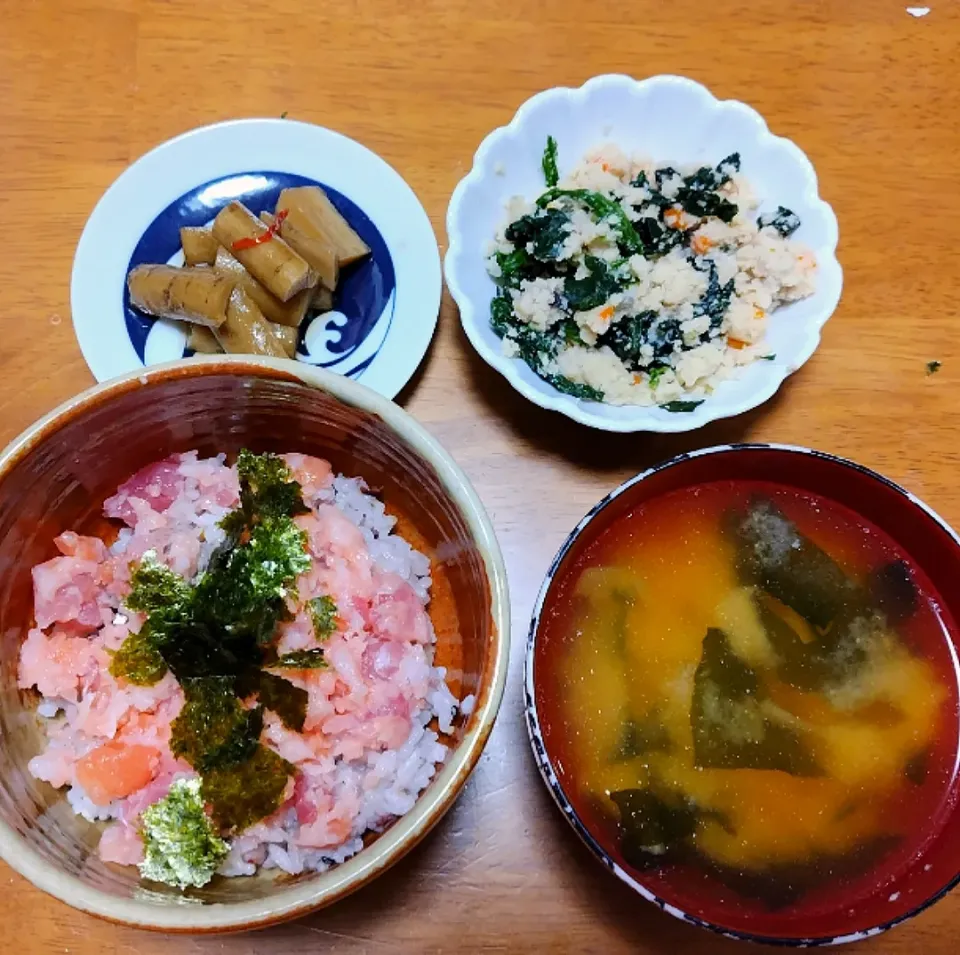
(668, 118)
(385, 308)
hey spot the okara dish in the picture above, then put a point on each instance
(630, 283)
(248, 283)
(750, 691)
(243, 676)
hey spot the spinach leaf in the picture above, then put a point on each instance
(704, 202)
(569, 331)
(546, 229)
(783, 220)
(934, 366)
(681, 407)
(534, 347)
(515, 266)
(634, 338)
(730, 728)
(716, 299)
(591, 292)
(656, 373)
(657, 238)
(662, 175)
(628, 338)
(636, 335)
(698, 195)
(577, 390)
(501, 312)
(727, 167)
(663, 336)
(603, 207)
(549, 162)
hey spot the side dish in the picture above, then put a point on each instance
(248, 282)
(631, 283)
(244, 676)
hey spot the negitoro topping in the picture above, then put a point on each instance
(217, 636)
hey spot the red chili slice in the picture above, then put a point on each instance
(272, 230)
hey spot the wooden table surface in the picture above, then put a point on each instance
(867, 90)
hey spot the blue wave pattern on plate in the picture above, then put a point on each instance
(364, 293)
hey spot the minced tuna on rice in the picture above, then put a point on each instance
(633, 284)
(376, 709)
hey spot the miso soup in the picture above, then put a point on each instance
(753, 686)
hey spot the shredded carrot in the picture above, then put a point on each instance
(736, 343)
(758, 313)
(674, 218)
(604, 167)
(607, 312)
(701, 244)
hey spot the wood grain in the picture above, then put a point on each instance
(866, 90)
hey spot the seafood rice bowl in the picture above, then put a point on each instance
(240, 673)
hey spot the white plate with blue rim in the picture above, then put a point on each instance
(385, 306)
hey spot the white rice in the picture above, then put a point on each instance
(390, 552)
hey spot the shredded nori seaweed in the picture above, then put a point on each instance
(181, 846)
(244, 793)
(285, 699)
(323, 613)
(217, 637)
(138, 661)
(213, 728)
(312, 659)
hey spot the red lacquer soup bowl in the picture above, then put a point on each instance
(919, 862)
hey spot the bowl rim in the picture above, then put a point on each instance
(546, 396)
(538, 744)
(431, 804)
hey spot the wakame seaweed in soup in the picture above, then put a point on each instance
(755, 687)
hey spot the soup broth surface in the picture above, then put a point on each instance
(752, 684)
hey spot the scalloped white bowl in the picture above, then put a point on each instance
(669, 118)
